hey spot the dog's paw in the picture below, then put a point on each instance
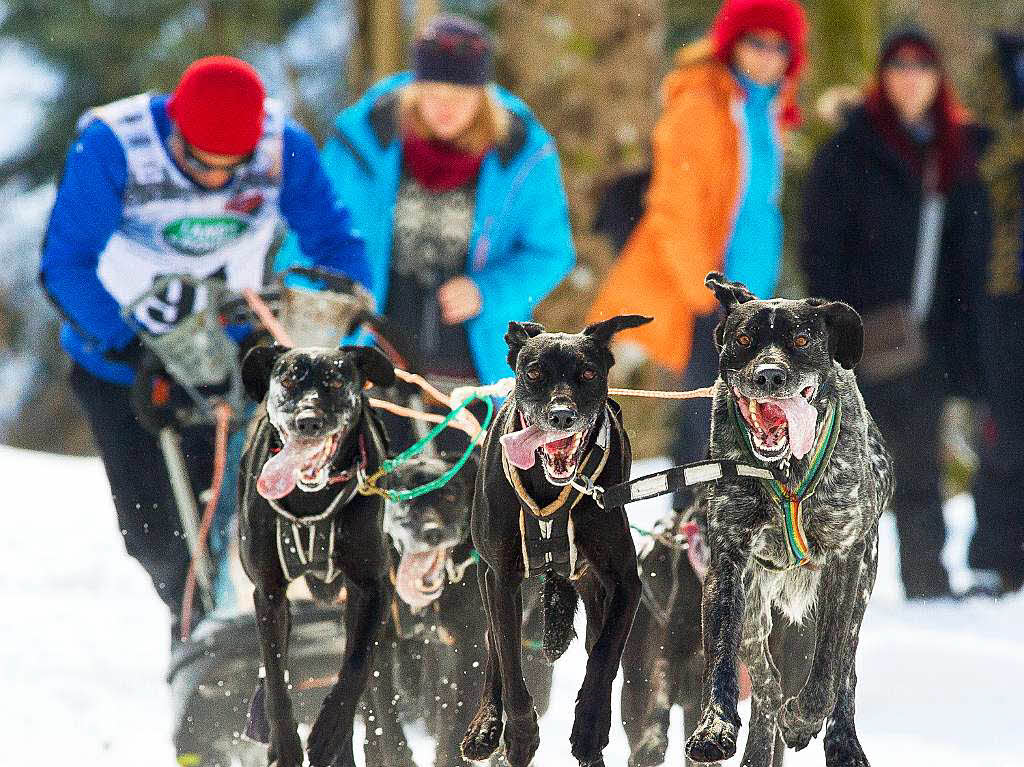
(590, 730)
(844, 752)
(324, 739)
(650, 749)
(484, 734)
(522, 739)
(714, 739)
(796, 728)
(286, 750)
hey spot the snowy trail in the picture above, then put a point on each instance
(84, 646)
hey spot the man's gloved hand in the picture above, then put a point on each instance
(156, 398)
(132, 353)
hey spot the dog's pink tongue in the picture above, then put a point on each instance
(802, 418)
(278, 476)
(413, 570)
(520, 445)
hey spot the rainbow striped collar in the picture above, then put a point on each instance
(789, 500)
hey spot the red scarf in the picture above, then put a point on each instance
(438, 165)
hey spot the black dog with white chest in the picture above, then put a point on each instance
(797, 528)
(532, 515)
(300, 515)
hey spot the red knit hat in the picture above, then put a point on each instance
(218, 105)
(738, 17)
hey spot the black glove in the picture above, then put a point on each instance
(157, 399)
(132, 353)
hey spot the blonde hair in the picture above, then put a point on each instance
(488, 127)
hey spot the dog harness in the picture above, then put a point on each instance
(305, 544)
(548, 538)
(789, 500)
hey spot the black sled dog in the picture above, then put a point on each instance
(534, 513)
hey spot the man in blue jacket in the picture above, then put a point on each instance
(154, 185)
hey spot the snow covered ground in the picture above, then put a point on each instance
(83, 644)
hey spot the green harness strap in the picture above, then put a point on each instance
(369, 485)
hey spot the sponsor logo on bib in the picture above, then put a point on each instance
(197, 236)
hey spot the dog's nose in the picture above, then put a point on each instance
(309, 423)
(771, 378)
(562, 418)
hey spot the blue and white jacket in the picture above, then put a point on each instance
(97, 234)
(520, 245)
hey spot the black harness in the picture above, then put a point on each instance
(305, 544)
(547, 532)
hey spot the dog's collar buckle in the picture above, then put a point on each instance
(587, 487)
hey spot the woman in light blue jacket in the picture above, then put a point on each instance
(455, 187)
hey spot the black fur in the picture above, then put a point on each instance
(782, 350)
(560, 600)
(317, 392)
(564, 375)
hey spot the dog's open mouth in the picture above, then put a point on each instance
(420, 577)
(560, 451)
(300, 462)
(561, 458)
(779, 427)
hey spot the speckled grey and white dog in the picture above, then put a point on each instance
(786, 400)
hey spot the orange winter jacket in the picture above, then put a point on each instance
(697, 178)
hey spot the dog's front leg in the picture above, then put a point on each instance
(389, 748)
(802, 717)
(484, 731)
(621, 585)
(331, 737)
(842, 746)
(766, 682)
(505, 613)
(273, 621)
(722, 618)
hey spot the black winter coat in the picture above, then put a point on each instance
(862, 205)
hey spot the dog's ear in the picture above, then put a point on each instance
(730, 294)
(373, 364)
(719, 335)
(603, 331)
(256, 367)
(517, 336)
(845, 333)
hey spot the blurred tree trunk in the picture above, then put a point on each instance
(379, 48)
(590, 72)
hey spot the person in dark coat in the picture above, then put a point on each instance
(997, 547)
(896, 224)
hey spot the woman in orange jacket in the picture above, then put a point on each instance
(713, 197)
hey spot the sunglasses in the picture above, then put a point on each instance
(763, 45)
(199, 165)
(910, 64)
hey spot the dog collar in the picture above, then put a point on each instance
(790, 500)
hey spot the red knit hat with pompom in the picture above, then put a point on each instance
(218, 105)
(738, 17)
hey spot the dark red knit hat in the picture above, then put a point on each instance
(218, 105)
(454, 49)
(738, 17)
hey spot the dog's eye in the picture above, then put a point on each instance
(801, 341)
(589, 374)
(533, 374)
(743, 340)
